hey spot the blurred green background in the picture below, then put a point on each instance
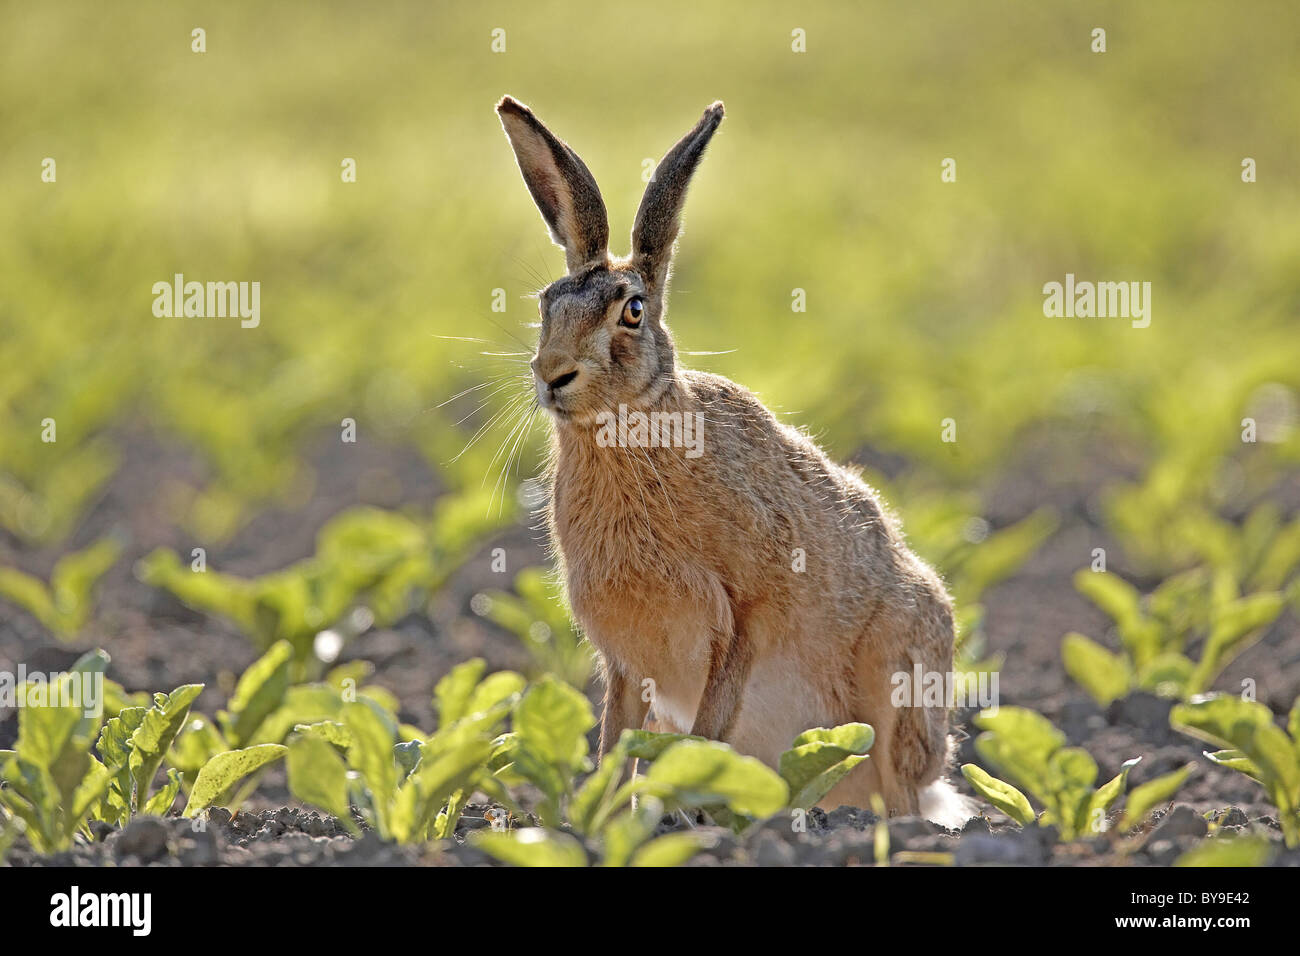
(924, 298)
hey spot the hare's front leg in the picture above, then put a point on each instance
(623, 708)
(729, 667)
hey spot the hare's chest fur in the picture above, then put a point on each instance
(655, 611)
(639, 579)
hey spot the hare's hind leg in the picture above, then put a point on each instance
(911, 735)
(878, 774)
(920, 745)
(875, 775)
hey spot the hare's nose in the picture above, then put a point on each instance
(560, 381)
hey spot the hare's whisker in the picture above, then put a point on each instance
(532, 417)
(535, 277)
(516, 407)
(511, 334)
(506, 377)
(475, 388)
(480, 407)
(474, 340)
(487, 425)
(518, 432)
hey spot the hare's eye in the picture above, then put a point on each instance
(632, 312)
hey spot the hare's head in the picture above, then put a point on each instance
(603, 340)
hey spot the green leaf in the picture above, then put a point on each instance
(493, 689)
(552, 780)
(88, 791)
(371, 755)
(1018, 744)
(621, 837)
(260, 691)
(1000, 793)
(224, 771)
(648, 745)
(444, 825)
(1281, 558)
(672, 849)
(53, 780)
(9, 831)
(1247, 726)
(1105, 676)
(74, 577)
(1168, 674)
(301, 704)
(349, 675)
(161, 802)
(1237, 626)
(46, 730)
(206, 591)
(452, 694)
(406, 754)
(1122, 602)
(153, 737)
(881, 830)
(1236, 760)
(1228, 851)
(821, 758)
(552, 720)
(30, 795)
(31, 594)
(594, 800)
(1152, 794)
(65, 606)
(531, 846)
(695, 773)
(331, 731)
(1271, 751)
(1090, 821)
(317, 776)
(1221, 719)
(1180, 601)
(114, 749)
(1071, 772)
(197, 743)
(461, 520)
(1033, 733)
(114, 744)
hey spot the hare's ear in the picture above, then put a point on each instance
(561, 184)
(659, 218)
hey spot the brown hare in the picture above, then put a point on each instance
(737, 584)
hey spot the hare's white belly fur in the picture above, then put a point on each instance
(782, 697)
(779, 704)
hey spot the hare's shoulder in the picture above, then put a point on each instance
(752, 443)
(760, 448)
(750, 422)
(721, 398)
(741, 433)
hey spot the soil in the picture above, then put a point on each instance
(157, 644)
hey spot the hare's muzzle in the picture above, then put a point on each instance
(549, 380)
